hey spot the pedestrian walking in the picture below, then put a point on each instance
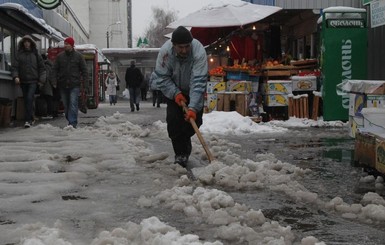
(70, 70)
(156, 93)
(111, 83)
(46, 92)
(144, 89)
(181, 75)
(134, 79)
(28, 72)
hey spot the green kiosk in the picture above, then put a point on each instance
(343, 56)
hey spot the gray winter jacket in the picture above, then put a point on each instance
(189, 75)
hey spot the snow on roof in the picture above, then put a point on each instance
(343, 9)
(39, 21)
(129, 50)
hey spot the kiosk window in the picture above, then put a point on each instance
(5, 49)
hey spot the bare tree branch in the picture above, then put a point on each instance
(157, 27)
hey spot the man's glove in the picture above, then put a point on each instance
(190, 114)
(179, 98)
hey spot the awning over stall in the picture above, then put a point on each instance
(19, 18)
(223, 20)
(223, 13)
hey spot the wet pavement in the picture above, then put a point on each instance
(327, 152)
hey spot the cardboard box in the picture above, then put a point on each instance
(212, 100)
(374, 87)
(365, 148)
(356, 103)
(304, 83)
(237, 75)
(380, 155)
(217, 78)
(374, 119)
(379, 90)
(239, 86)
(233, 101)
(278, 87)
(214, 87)
(276, 100)
(272, 73)
(375, 101)
(355, 123)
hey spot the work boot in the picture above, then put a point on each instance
(181, 160)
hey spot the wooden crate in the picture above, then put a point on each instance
(380, 155)
(276, 73)
(233, 102)
(365, 149)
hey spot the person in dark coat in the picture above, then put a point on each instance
(134, 79)
(156, 93)
(143, 89)
(28, 72)
(69, 70)
(47, 90)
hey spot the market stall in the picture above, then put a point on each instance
(247, 66)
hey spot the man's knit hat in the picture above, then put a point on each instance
(70, 41)
(181, 36)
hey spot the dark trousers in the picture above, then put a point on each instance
(179, 130)
(49, 100)
(143, 93)
(156, 97)
(134, 97)
(28, 90)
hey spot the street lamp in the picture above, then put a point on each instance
(108, 33)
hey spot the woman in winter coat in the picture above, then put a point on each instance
(28, 72)
(111, 84)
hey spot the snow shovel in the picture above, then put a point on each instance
(198, 133)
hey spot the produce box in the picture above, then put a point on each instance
(212, 100)
(375, 101)
(254, 78)
(356, 103)
(304, 83)
(272, 73)
(237, 75)
(214, 87)
(276, 100)
(374, 87)
(374, 118)
(217, 78)
(380, 155)
(365, 148)
(355, 123)
(278, 87)
(239, 86)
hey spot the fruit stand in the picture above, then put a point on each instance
(271, 91)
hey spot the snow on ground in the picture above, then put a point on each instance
(38, 166)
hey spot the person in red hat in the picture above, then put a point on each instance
(70, 70)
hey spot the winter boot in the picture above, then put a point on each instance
(181, 160)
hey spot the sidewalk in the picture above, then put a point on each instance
(147, 114)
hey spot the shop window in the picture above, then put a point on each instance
(5, 49)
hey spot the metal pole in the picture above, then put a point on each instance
(108, 39)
